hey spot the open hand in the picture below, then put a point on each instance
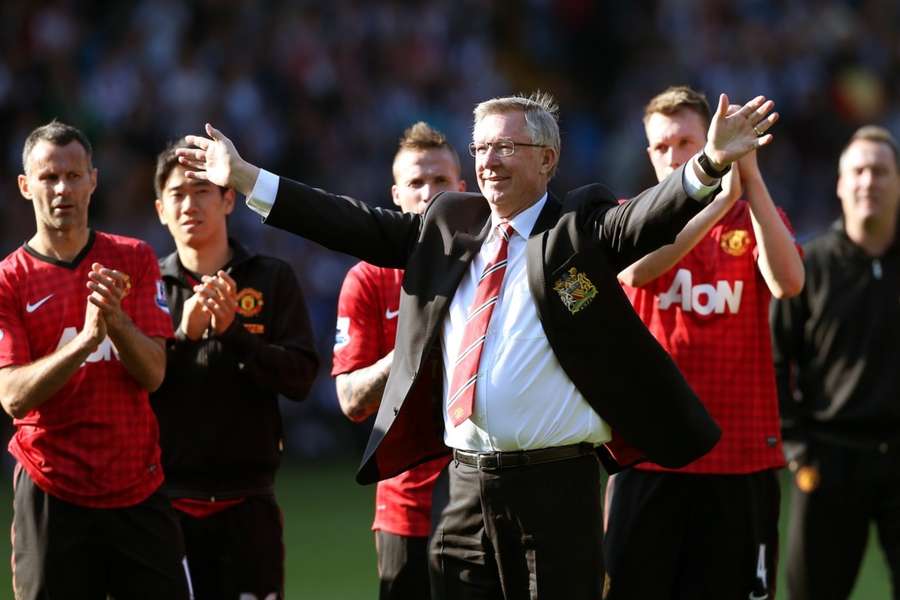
(215, 159)
(734, 133)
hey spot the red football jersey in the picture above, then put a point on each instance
(368, 308)
(710, 312)
(95, 442)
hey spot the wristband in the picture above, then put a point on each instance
(706, 164)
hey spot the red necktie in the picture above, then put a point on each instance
(487, 293)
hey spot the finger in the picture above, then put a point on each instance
(232, 284)
(196, 175)
(760, 113)
(195, 140)
(191, 154)
(751, 106)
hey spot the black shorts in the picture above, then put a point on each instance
(237, 551)
(402, 567)
(680, 536)
(61, 550)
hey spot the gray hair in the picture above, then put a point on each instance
(541, 117)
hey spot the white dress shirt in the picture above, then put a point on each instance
(523, 398)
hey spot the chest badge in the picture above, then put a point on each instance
(249, 302)
(735, 242)
(575, 290)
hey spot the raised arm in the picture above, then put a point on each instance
(26, 387)
(778, 260)
(651, 266)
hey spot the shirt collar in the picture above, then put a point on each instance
(522, 223)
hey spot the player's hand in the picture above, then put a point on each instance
(93, 332)
(108, 288)
(195, 319)
(218, 293)
(734, 133)
(215, 159)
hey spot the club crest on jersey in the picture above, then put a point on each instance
(735, 242)
(160, 297)
(249, 302)
(575, 290)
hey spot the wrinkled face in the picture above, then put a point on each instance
(673, 139)
(194, 211)
(59, 181)
(420, 174)
(868, 183)
(511, 183)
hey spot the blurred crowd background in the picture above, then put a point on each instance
(320, 92)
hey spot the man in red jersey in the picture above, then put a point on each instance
(425, 164)
(708, 530)
(83, 321)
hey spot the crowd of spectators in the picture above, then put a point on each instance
(321, 91)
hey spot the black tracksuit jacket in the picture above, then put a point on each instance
(837, 346)
(220, 426)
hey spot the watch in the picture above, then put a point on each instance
(708, 168)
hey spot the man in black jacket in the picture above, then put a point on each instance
(516, 347)
(242, 338)
(837, 352)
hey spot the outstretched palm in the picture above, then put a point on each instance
(734, 133)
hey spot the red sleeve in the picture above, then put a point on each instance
(14, 348)
(146, 303)
(359, 323)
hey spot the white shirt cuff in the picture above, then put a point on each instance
(692, 184)
(262, 196)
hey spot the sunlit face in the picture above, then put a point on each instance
(673, 139)
(511, 183)
(868, 183)
(59, 181)
(420, 174)
(194, 211)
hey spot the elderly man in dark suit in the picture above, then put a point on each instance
(516, 349)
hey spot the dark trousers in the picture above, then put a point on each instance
(520, 533)
(679, 536)
(838, 493)
(66, 552)
(237, 553)
(402, 566)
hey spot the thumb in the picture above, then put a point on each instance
(722, 108)
(213, 133)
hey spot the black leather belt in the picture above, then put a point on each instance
(497, 461)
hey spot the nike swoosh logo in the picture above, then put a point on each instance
(391, 314)
(33, 307)
(753, 596)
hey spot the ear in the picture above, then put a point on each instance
(228, 198)
(395, 194)
(462, 185)
(548, 160)
(159, 211)
(23, 187)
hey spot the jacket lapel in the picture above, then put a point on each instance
(534, 250)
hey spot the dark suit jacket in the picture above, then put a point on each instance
(627, 378)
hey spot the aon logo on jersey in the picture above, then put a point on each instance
(105, 351)
(703, 298)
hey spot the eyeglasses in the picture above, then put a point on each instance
(504, 147)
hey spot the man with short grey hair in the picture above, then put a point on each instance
(517, 352)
